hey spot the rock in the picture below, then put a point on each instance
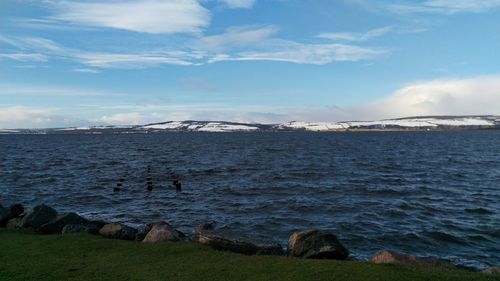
(207, 236)
(12, 223)
(16, 210)
(204, 227)
(270, 250)
(118, 231)
(38, 216)
(492, 271)
(316, 244)
(7, 214)
(387, 257)
(56, 225)
(4, 216)
(218, 242)
(143, 231)
(95, 226)
(90, 228)
(75, 228)
(163, 232)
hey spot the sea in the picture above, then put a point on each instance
(429, 194)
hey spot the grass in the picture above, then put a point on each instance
(28, 256)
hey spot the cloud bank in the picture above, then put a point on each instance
(149, 16)
(471, 96)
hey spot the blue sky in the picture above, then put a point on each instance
(71, 63)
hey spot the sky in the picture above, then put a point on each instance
(125, 62)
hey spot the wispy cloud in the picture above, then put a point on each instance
(149, 16)
(236, 37)
(245, 45)
(353, 36)
(445, 6)
(51, 91)
(300, 53)
(51, 49)
(24, 57)
(238, 4)
(86, 70)
(15, 117)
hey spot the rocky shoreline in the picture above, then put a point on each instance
(309, 244)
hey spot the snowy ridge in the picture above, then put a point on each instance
(410, 123)
(202, 126)
(438, 122)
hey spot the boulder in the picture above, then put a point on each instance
(204, 234)
(163, 232)
(7, 214)
(16, 210)
(79, 228)
(270, 250)
(143, 231)
(492, 271)
(4, 216)
(204, 227)
(12, 223)
(316, 244)
(118, 231)
(387, 257)
(95, 226)
(38, 216)
(56, 225)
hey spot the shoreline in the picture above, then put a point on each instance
(28, 256)
(305, 244)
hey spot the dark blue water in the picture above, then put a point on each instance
(426, 193)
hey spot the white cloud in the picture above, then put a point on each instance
(446, 6)
(352, 36)
(293, 52)
(473, 96)
(236, 37)
(100, 60)
(86, 70)
(149, 16)
(253, 45)
(16, 117)
(25, 57)
(479, 95)
(52, 91)
(132, 118)
(235, 4)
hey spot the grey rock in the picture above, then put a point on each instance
(143, 231)
(38, 216)
(12, 223)
(207, 236)
(118, 231)
(270, 250)
(492, 271)
(16, 210)
(95, 226)
(388, 257)
(163, 232)
(4, 216)
(316, 244)
(7, 214)
(74, 228)
(204, 227)
(56, 225)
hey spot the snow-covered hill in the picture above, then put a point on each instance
(411, 123)
(202, 126)
(431, 122)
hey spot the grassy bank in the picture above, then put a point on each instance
(26, 256)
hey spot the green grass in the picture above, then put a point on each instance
(27, 256)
